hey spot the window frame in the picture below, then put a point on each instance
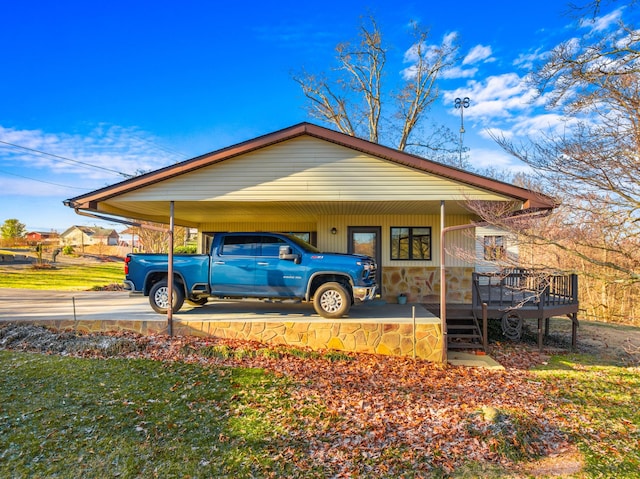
(491, 250)
(410, 239)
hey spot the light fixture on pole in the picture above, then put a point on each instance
(461, 103)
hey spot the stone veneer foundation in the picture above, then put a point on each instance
(422, 284)
(391, 338)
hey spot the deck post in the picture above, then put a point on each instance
(546, 327)
(485, 328)
(574, 331)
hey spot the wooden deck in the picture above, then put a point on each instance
(511, 296)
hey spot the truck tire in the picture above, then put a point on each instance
(197, 301)
(159, 297)
(332, 300)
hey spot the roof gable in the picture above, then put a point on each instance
(172, 173)
(308, 169)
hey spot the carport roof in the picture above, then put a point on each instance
(91, 202)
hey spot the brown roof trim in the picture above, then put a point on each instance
(530, 198)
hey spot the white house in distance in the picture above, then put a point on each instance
(79, 236)
(495, 249)
(342, 193)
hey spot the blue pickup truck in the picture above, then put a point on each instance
(256, 265)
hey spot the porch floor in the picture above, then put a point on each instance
(377, 327)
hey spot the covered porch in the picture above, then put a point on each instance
(341, 193)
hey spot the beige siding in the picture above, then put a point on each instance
(459, 243)
(307, 169)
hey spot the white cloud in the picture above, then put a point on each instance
(458, 72)
(429, 53)
(603, 23)
(103, 155)
(477, 54)
(497, 159)
(528, 60)
(496, 97)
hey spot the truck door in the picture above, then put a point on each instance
(277, 277)
(233, 266)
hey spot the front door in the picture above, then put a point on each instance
(367, 240)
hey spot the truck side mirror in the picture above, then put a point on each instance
(286, 253)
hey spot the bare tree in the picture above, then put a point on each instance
(356, 102)
(154, 237)
(592, 164)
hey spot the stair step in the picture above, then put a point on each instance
(464, 346)
(464, 336)
(461, 326)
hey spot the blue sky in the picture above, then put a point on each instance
(130, 86)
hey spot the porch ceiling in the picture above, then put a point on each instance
(193, 213)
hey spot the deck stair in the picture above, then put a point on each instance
(463, 329)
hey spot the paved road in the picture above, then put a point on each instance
(26, 304)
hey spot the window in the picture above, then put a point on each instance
(271, 246)
(411, 243)
(240, 245)
(494, 248)
(308, 237)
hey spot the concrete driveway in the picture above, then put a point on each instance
(26, 304)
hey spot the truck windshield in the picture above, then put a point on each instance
(303, 244)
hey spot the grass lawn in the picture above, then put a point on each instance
(600, 406)
(69, 417)
(66, 277)
(188, 407)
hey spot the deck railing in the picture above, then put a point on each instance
(519, 287)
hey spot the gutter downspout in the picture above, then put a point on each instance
(443, 282)
(443, 291)
(116, 220)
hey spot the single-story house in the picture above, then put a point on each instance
(343, 194)
(339, 192)
(35, 237)
(80, 236)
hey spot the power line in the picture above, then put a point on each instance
(42, 181)
(83, 163)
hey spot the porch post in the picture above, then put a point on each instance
(170, 271)
(443, 285)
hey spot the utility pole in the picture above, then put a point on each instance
(462, 103)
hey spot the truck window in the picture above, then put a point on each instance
(242, 245)
(271, 246)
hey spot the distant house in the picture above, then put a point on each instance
(89, 235)
(496, 249)
(130, 238)
(35, 237)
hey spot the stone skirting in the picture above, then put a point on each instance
(393, 339)
(422, 284)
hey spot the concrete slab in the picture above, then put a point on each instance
(108, 307)
(456, 358)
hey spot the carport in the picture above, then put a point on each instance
(343, 193)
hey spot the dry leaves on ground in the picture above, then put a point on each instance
(383, 412)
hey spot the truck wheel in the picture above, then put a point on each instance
(159, 297)
(332, 300)
(197, 301)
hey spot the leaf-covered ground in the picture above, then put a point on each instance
(374, 416)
